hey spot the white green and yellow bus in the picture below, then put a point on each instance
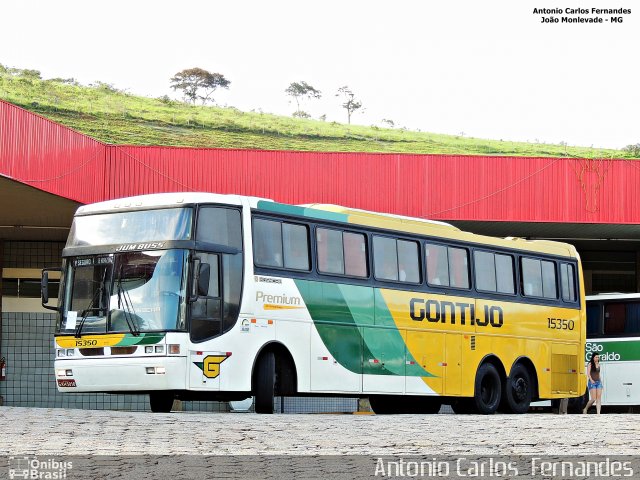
(613, 331)
(221, 297)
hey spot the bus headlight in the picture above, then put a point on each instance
(156, 370)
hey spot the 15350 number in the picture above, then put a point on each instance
(560, 323)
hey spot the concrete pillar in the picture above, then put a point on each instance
(588, 283)
(1, 272)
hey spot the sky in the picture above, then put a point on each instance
(485, 69)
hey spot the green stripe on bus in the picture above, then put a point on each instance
(387, 342)
(344, 318)
(302, 211)
(334, 322)
(614, 351)
(142, 339)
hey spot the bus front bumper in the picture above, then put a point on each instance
(120, 374)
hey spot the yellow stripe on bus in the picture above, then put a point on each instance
(89, 341)
(270, 306)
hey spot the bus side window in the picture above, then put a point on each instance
(206, 311)
(594, 325)
(267, 243)
(568, 282)
(385, 258)
(459, 267)
(221, 226)
(633, 318)
(437, 264)
(330, 251)
(505, 274)
(408, 261)
(355, 254)
(447, 266)
(539, 278)
(295, 242)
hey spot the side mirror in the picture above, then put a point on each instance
(44, 288)
(204, 275)
(200, 280)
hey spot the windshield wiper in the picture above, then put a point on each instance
(124, 300)
(91, 308)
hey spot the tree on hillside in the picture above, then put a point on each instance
(21, 72)
(197, 83)
(633, 149)
(299, 91)
(350, 104)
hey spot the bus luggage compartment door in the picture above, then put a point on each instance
(429, 353)
(204, 370)
(342, 371)
(621, 381)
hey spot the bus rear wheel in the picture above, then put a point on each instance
(265, 383)
(577, 404)
(160, 402)
(518, 390)
(488, 389)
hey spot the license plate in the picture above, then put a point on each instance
(66, 383)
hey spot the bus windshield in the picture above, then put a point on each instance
(125, 292)
(131, 227)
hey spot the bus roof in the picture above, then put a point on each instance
(163, 200)
(613, 296)
(440, 229)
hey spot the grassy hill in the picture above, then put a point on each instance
(117, 117)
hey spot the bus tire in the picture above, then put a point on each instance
(488, 389)
(577, 404)
(265, 385)
(518, 390)
(160, 402)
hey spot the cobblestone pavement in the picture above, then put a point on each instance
(28, 431)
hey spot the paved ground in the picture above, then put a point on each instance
(30, 431)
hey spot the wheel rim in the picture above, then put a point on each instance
(520, 389)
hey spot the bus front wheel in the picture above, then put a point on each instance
(518, 390)
(265, 383)
(488, 389)
(160, 402)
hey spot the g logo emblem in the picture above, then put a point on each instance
(211, 365)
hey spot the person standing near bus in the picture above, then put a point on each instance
(594, 383)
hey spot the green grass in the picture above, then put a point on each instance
(121, 118)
